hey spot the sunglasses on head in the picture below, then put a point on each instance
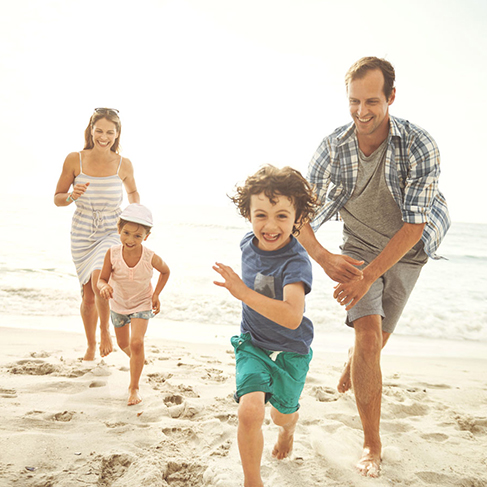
(104, 110)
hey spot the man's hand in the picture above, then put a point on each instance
(350, 293)
(342, 268)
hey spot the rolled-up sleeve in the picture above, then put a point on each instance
(421, 185)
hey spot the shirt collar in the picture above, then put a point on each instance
(349, 131)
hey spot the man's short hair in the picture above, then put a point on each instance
(359, 69)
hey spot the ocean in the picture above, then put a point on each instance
(39, 287)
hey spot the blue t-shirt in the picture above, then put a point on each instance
(267, 272)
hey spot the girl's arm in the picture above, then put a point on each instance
(106, 291)
(164, 272)
(287, 313)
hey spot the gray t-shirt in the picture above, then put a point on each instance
(371, 216)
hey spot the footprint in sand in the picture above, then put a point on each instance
(157, 379)
(440, 437)
(64, 417)
(214, 375)
(8, 393)
(476, 426)
(32, 367)
(325, 394)
(98, 383)
(179, 408)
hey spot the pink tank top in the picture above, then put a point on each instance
(132, 288)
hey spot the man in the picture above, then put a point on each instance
(381, 173)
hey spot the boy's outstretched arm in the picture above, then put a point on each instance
(287, 313)
(106, 290)
(164, 272)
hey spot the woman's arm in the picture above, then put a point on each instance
(128, 179)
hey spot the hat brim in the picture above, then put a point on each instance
(134, 219)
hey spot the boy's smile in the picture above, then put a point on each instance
(272, 223)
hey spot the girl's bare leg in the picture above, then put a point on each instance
(137, 357)
(103, 310)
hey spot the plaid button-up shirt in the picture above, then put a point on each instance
(412, 169)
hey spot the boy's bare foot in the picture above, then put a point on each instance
(134, 397)
(284, 444)
(90, 353)
(106, 346)
(369, 464)
(345, 382)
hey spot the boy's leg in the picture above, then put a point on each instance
(137, 357)
(287, 425)
(103, 310)
(251, 413)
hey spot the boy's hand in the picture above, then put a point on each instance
(106, 291)
(232, 282)
(156, 304)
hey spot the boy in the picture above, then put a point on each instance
(273, 351)
(126, 281)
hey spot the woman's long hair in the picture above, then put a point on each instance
(110, 115)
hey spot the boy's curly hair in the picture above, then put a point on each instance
(275, 182)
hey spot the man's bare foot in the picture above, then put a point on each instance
(90, 353)
(345, 382)
(369, 464)
(284, 444)
(106, 346)
(134, 397)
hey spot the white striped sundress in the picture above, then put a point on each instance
(94, 225)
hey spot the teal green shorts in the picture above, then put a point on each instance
(282, 380)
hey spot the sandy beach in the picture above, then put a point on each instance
(65, 422)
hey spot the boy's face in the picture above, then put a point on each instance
(272, 224)
(132, 235)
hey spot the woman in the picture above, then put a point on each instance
(96, 175)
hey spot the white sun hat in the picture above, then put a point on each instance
(137, 213)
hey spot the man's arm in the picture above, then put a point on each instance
(339, 268)
(405, 239)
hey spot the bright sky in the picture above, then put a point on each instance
(209, 90)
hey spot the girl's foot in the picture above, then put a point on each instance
(106, 346)
(134, 397)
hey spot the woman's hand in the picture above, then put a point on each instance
(78, 190)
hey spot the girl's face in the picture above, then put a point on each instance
(132, 235)
(272, 224)
(104, 134)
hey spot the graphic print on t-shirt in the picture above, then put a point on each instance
(265, 285)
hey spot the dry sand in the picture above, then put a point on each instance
(65, 423)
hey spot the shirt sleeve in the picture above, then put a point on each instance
(421, 187)
(298, 269)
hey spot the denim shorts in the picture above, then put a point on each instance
(120, 320)
(281, 376)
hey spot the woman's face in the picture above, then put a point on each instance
(104, 134)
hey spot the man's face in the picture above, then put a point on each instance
(368, 104)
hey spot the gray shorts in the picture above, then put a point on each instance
(388, 295)
(120, 320)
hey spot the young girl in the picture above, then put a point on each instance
(273, 351)
(126, 281)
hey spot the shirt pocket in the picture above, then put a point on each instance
(265, 285)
